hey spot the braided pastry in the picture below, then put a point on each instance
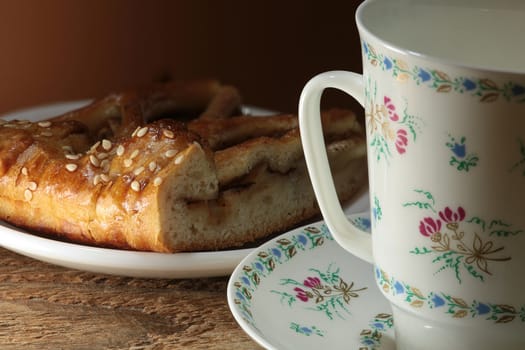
(168, 168)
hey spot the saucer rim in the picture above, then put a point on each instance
(248, 327)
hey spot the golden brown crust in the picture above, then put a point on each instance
(113, 174)
(120, 113)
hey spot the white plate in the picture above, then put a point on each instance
(121, 262)
(302, 291)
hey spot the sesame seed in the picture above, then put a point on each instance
(170, 153)
(94, 161)
(104, 177)
(134, 154)
(71, 167)
(168, 133)
(28, 195)
(32, 186)
(95, 146)
(135, 186)
(96, 180)
(73, 156)
(104, 165)
(120, 150)
(106, 144)
(179, 159)
(142, 131)
(152, 166)
(135, 132)
(46, 133)
(102, 155)
(138, 171)
(157, 181)
(44, 124)
(67, 148)
(24, 171)
(128, 162)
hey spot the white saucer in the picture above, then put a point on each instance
(302, 291)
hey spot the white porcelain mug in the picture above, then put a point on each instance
(443, 87)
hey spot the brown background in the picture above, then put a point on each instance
(56, 50)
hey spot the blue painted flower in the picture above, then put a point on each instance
(240, 296)
(378, 325)
(365, 48)
(366, 223)
(276, 252)
(400, 289)
(424, 75)
(482, 308)
(306, 330)
(388, 63)
(368, 341)
(378, 273)
(517, 90)
(459, 149)
(302, 239)
(259, 266)
(469, 84)
(437, 300)
(245, 280)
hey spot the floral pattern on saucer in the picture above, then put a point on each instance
(371, 337)
(324, 291)
(266, 260)
(302, 290)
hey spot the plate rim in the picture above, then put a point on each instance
(145, 264)
(95, 259)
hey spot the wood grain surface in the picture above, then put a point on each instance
(49, 307)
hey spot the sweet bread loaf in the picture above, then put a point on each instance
(169, 168)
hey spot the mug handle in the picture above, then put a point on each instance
(350, 237)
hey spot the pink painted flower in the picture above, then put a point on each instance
(401, 140)
(301, 294)
(391, 109)
(450, 216)
(312, 282)
(428, 226)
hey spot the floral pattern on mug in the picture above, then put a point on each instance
(459, 158)
(460, 243)
(454, 306)
(377, 211)
(484, 89)
(324, 291)
(521, 162)
(391, 130)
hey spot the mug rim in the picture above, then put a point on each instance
(398, 48)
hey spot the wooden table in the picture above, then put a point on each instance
(50, 307)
